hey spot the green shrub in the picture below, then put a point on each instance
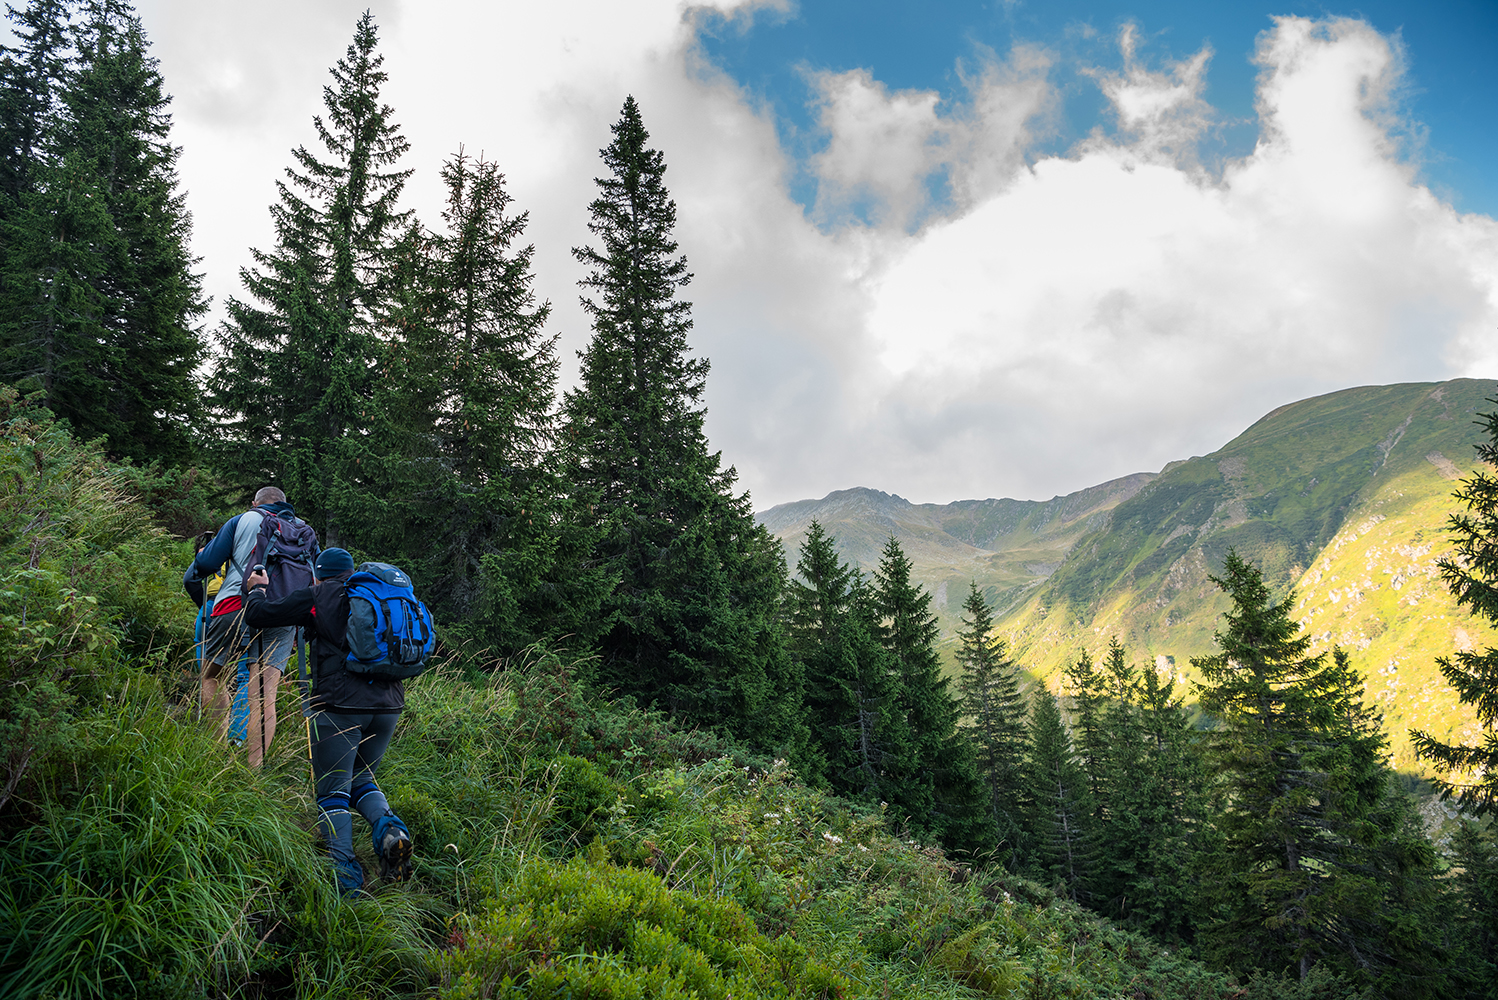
(588, 929)
(85, 578)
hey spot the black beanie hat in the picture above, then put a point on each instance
(334, 562)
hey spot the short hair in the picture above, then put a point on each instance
(269, 494)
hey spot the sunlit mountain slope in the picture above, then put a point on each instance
(1344, 496)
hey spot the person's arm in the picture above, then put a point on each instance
(193, 586)
(214, 554)
(261, 612)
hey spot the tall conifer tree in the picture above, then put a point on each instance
(297, 383)
(937, 772)
(1471, 574)
(855, 726)
(692, 623)
(464, 397)
(1319, 862)
(1060, 824)
(995, 710)
(99, 297)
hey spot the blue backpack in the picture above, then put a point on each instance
(390, 632)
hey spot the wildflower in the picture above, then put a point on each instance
(831, 837)
(772, 815)
(863, 848)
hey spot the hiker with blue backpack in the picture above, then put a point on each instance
(370, 634)
(268, 534)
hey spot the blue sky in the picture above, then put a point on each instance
(1451, 90)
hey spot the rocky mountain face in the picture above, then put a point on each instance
(1343, 497)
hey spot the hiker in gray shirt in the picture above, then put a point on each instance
(268, 533)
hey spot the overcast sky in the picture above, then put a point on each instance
(1046, 255)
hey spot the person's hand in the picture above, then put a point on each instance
(256, 579)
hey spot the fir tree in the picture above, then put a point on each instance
(855, 726)
(939, 784)
(991, 701)
(1471, 574)
(1474, 888)
(1166, 801)
(1086, 688)
(691, 624)
(1148, 791)
(151, 299)
(32, 76)
(1316, 865)
(463, 431)
(297, 383)
(1061, 809)
(99, 298)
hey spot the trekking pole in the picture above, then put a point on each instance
(260, 680)
(306, 686)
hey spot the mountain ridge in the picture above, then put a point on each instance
(1342, 497)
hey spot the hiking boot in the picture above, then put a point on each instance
(395, 855)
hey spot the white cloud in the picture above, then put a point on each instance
(1044, 324)
(1122, 308)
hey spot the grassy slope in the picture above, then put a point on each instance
(1344, 496)
(565, 847)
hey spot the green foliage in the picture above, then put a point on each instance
(99, 299)
(144, 859)
(995, 710)
(1472, 576)
(691, 622)
(84, 578)
(566, 842)
(597, 930)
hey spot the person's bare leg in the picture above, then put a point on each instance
(213, 697)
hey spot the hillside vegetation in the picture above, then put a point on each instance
(1344, 497)
(567, 846)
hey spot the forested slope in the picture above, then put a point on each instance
(1343, 496)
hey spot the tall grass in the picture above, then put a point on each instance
(153, 862)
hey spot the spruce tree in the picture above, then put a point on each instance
(98, 301)
(1471, 574)
(463, 430)
(854, 722)
(1060, 820)
(1086, 686)
(939, 784)
(32, 76)
(996, 724)
(296, 386)
(691, 624)
(1318, 863)
(1162, 806)
(151, 299)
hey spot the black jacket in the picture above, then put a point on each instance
(322, 610)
